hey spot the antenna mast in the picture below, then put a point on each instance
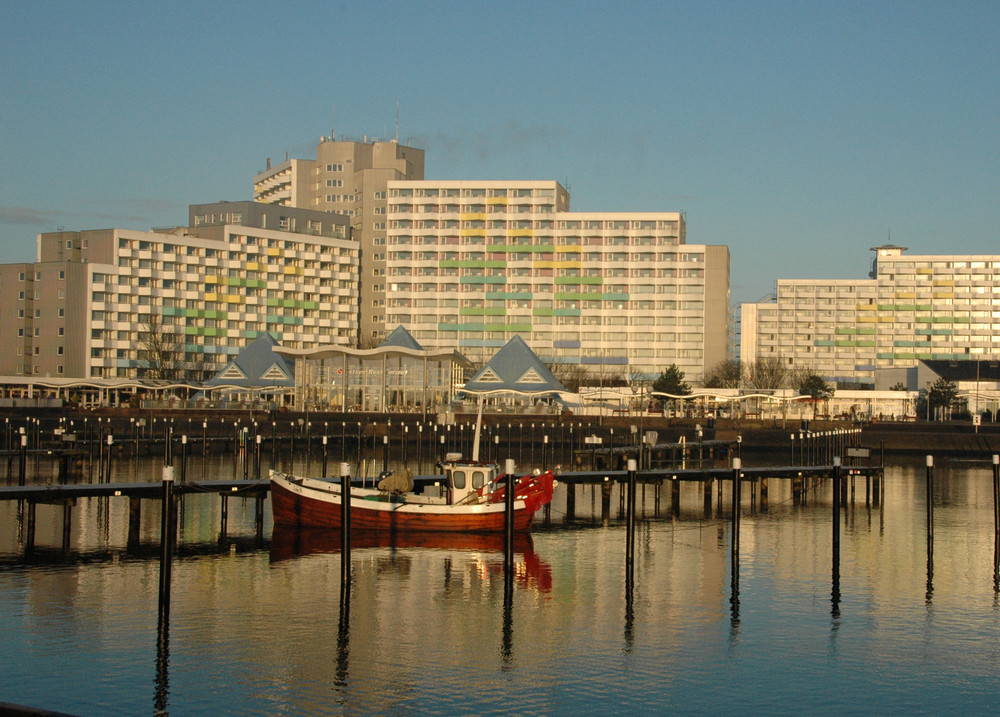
(333, 123)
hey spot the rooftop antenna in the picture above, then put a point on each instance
(333, 122)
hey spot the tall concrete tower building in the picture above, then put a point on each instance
(349, 177)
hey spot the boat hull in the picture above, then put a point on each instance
(296, 505)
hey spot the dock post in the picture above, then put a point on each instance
(606, 499)
(29, 532)
(996, 495)
(67, 524)
(258, 515)
(570, 501)
(797, 489)
(930, 528)
(166, 538)
(224, 517)
(111, 440)
(835, 566)
(184, 456)
(763, 493)
(22, 460)
(707, 486)
(511, 489)
(345, 523)
(836, 512)
(737, 499)
(134, 514)
(930, 502)
(734, 558)
(324, 456)
(630, 521)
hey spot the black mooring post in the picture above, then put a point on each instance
(734, 559)
(22, 460)
(930, 528)
(184, 456)
(630, 520)
(345, 523)
(325, 449)
(511, 489)
(166, 538)
(737, 499)
(835, 567)
(996, 495)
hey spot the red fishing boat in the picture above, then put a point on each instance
(469, 497)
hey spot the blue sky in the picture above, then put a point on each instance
(797, 133)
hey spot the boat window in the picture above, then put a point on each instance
(458, 479)
(478, 479)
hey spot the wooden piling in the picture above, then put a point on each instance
(345, 523)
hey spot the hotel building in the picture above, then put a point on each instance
(914, 307)
(94, 299)
(469, 264)
(349, 178)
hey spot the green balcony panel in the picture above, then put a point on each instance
(508, 295)
(574, 280)
(566, 312)
(616, 296)
(482, 280)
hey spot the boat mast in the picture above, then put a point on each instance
(479, 426)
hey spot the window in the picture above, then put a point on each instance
(62, 274)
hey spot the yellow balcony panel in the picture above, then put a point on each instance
(568, 248)
(274, 251)
(866, 307)
(546, 264)
(293, 270)
(253, 266)
(473, 232)
(905, 295)
(944, 282)
(496, 200)
(867, 319)
(521, 233)
(943, 294)
(233, 298)
(924, 271)
(473, 216)
(576, 264)
(886, 319)
(212, 279)
(211, 297)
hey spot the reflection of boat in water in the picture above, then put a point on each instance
(288, 543)
(470, 498)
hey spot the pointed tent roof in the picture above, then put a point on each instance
(515, 368)
(401, 338)
(257, 366)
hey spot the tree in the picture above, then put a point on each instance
(570, 375)
(726, 374)
(898, 386)
(816, 388)
(944, 395)
(766, 374)
(671, 381)
(159, 350)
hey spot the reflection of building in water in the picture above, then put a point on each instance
(397, 375)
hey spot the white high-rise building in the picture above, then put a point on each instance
(472, 263)
(913, 307)
(349, 177)
(101, 303)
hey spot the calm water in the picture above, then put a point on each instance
(259, 626)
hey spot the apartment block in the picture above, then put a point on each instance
(473, 263)
(97, 303)
(914, 307)
(349, 177)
